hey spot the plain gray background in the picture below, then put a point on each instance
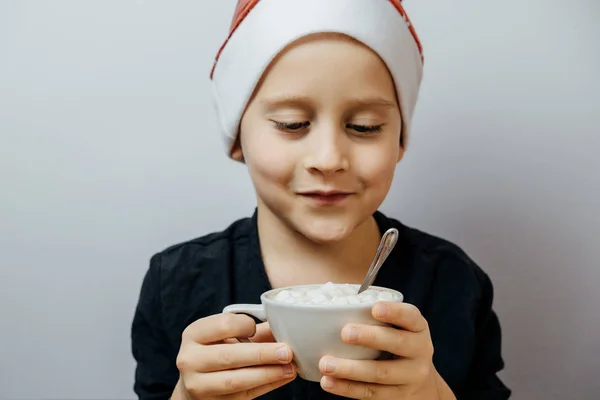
(109, 152)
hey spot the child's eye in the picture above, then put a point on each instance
(365, 128)
(291, 126)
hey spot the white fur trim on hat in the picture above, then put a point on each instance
(271, 25)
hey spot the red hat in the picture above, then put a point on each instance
(262, 28)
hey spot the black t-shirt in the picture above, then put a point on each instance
(200, 277)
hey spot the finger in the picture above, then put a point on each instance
(221, 357)
(403, 315)
(396, 341)
(263, 334)
(216, 328)
(259, 391)
(239, 380)
(388, 372)
(356, 390)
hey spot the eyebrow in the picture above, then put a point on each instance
(286, 101)
(369, 102)
(305, 102)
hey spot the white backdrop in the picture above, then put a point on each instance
(109, 152)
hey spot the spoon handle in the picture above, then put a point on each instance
(388, 241)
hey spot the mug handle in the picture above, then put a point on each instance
(256, 310)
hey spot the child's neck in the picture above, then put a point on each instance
(292, 259)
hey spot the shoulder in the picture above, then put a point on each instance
(455, 296)
(190, 273)
(188, 280)
(449, 266)
(206, 251)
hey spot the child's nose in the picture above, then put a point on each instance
(327, 152)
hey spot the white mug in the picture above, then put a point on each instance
(314, 330)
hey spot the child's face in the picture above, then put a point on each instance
(325, 119)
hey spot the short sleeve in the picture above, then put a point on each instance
(483, 382)
(155, 374)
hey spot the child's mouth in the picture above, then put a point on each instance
(325, 198)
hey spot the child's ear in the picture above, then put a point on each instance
(236, 150)
(401, 148)
(400, 153)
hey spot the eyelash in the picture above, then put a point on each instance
(297, 126)
(365, 128)
(291, 127)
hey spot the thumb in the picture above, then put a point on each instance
(263, 334)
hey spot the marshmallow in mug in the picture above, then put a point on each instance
(333, 294)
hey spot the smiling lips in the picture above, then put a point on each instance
(325, 198)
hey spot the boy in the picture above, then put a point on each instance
(316, 98)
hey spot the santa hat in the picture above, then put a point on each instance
(263, 28)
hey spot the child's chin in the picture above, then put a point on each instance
(326, 231)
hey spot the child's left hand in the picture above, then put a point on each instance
(410, 375)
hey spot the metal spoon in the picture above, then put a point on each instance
(388, 241)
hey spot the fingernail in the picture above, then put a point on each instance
(330, 366)
(288, 369)
(351, 334)
(327, 382)
(380, 310)
(282, 353)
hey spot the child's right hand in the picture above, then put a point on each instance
(213, 364)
